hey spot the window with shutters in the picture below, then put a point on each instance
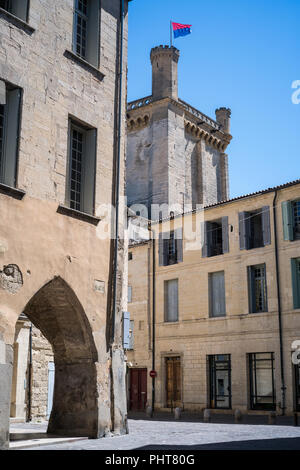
(17, 8)
(295, 262)
(82, 165)
(217, 304)
(170, 247)
(86, 34)
(9, 132)
(262, 381)
(216, 238)
(254, 227)
(257, 288)
(171, 300)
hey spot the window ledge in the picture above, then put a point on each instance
(86, 65)
(13, 192)
(16, 21)
(64, 210)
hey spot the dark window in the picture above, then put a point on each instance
(82, 161)
(130, 256)
(296, 217)
(171, 300)
(219, 381)
(170, 247)
(9, 132)
(216, 238)
(257, 289)
(254, 228)
(297, 387)
(217, 304)
(262, 381)
(86, 34)
(295, 262)
(18, 8)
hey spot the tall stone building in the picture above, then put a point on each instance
(59, 86)
(175, 153)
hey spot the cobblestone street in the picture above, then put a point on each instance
(184, 435)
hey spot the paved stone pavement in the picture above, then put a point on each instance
(162, 435)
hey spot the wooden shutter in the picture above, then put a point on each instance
(126, 328)
(266, 225)
(179, 244)
(171, 300)
(217, 294)
(89, 171)
(287, 220)
(93, 33)
(12, 118)
(244, 229)
(225, 236)
(296, 281)
(205, 249)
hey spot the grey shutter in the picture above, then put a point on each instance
(131, 335)
(93, 33)
(179, 244)
(126, 328)
(2, 92)
(244, 230)
(295, 282)
(287, 220)
(217, 295)
(129, 294)
(266, 225)
(89, 171)
(20, 9)
(12, 112)
(205, 240)
(171, 300)
(225, 237)
(251, 290)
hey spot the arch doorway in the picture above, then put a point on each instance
(56, 311)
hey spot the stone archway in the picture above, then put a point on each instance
(56, 311)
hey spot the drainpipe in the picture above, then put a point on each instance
(29, 417)
(153, 315)
(118, 175)
(283, 387)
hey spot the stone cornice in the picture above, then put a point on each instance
(196, 123)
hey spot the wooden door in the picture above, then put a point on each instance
(138, 389)
(173, 381)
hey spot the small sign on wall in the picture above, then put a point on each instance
(99, 286)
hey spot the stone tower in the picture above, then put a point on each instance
(175, 154)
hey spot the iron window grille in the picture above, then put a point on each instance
(257, 289)
(262, 381)
(219, 381)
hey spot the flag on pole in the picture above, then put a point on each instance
(181, 29)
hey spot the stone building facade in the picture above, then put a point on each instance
(59, 88)
(175, 153)
(226, 308)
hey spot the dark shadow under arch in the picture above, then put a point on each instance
(56, 311)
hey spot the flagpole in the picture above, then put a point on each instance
(171, 37)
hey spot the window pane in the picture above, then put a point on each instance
(262, 388)
(296, 214)
(258, 289)
(220, 381)
(77, 139)
(81, 24)
(217, 294)
(6, 4)
(1, 137)
(171, 293)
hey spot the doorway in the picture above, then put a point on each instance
(173, 382)
(220, 381)
(138, 389)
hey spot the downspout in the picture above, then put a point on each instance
(118, 177)
(29, 417)
(283, 387)
(153, 316)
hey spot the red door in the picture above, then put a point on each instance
(138, 389)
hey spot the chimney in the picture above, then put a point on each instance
(164, 60)
(223, 118)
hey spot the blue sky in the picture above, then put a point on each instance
(243, 55)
